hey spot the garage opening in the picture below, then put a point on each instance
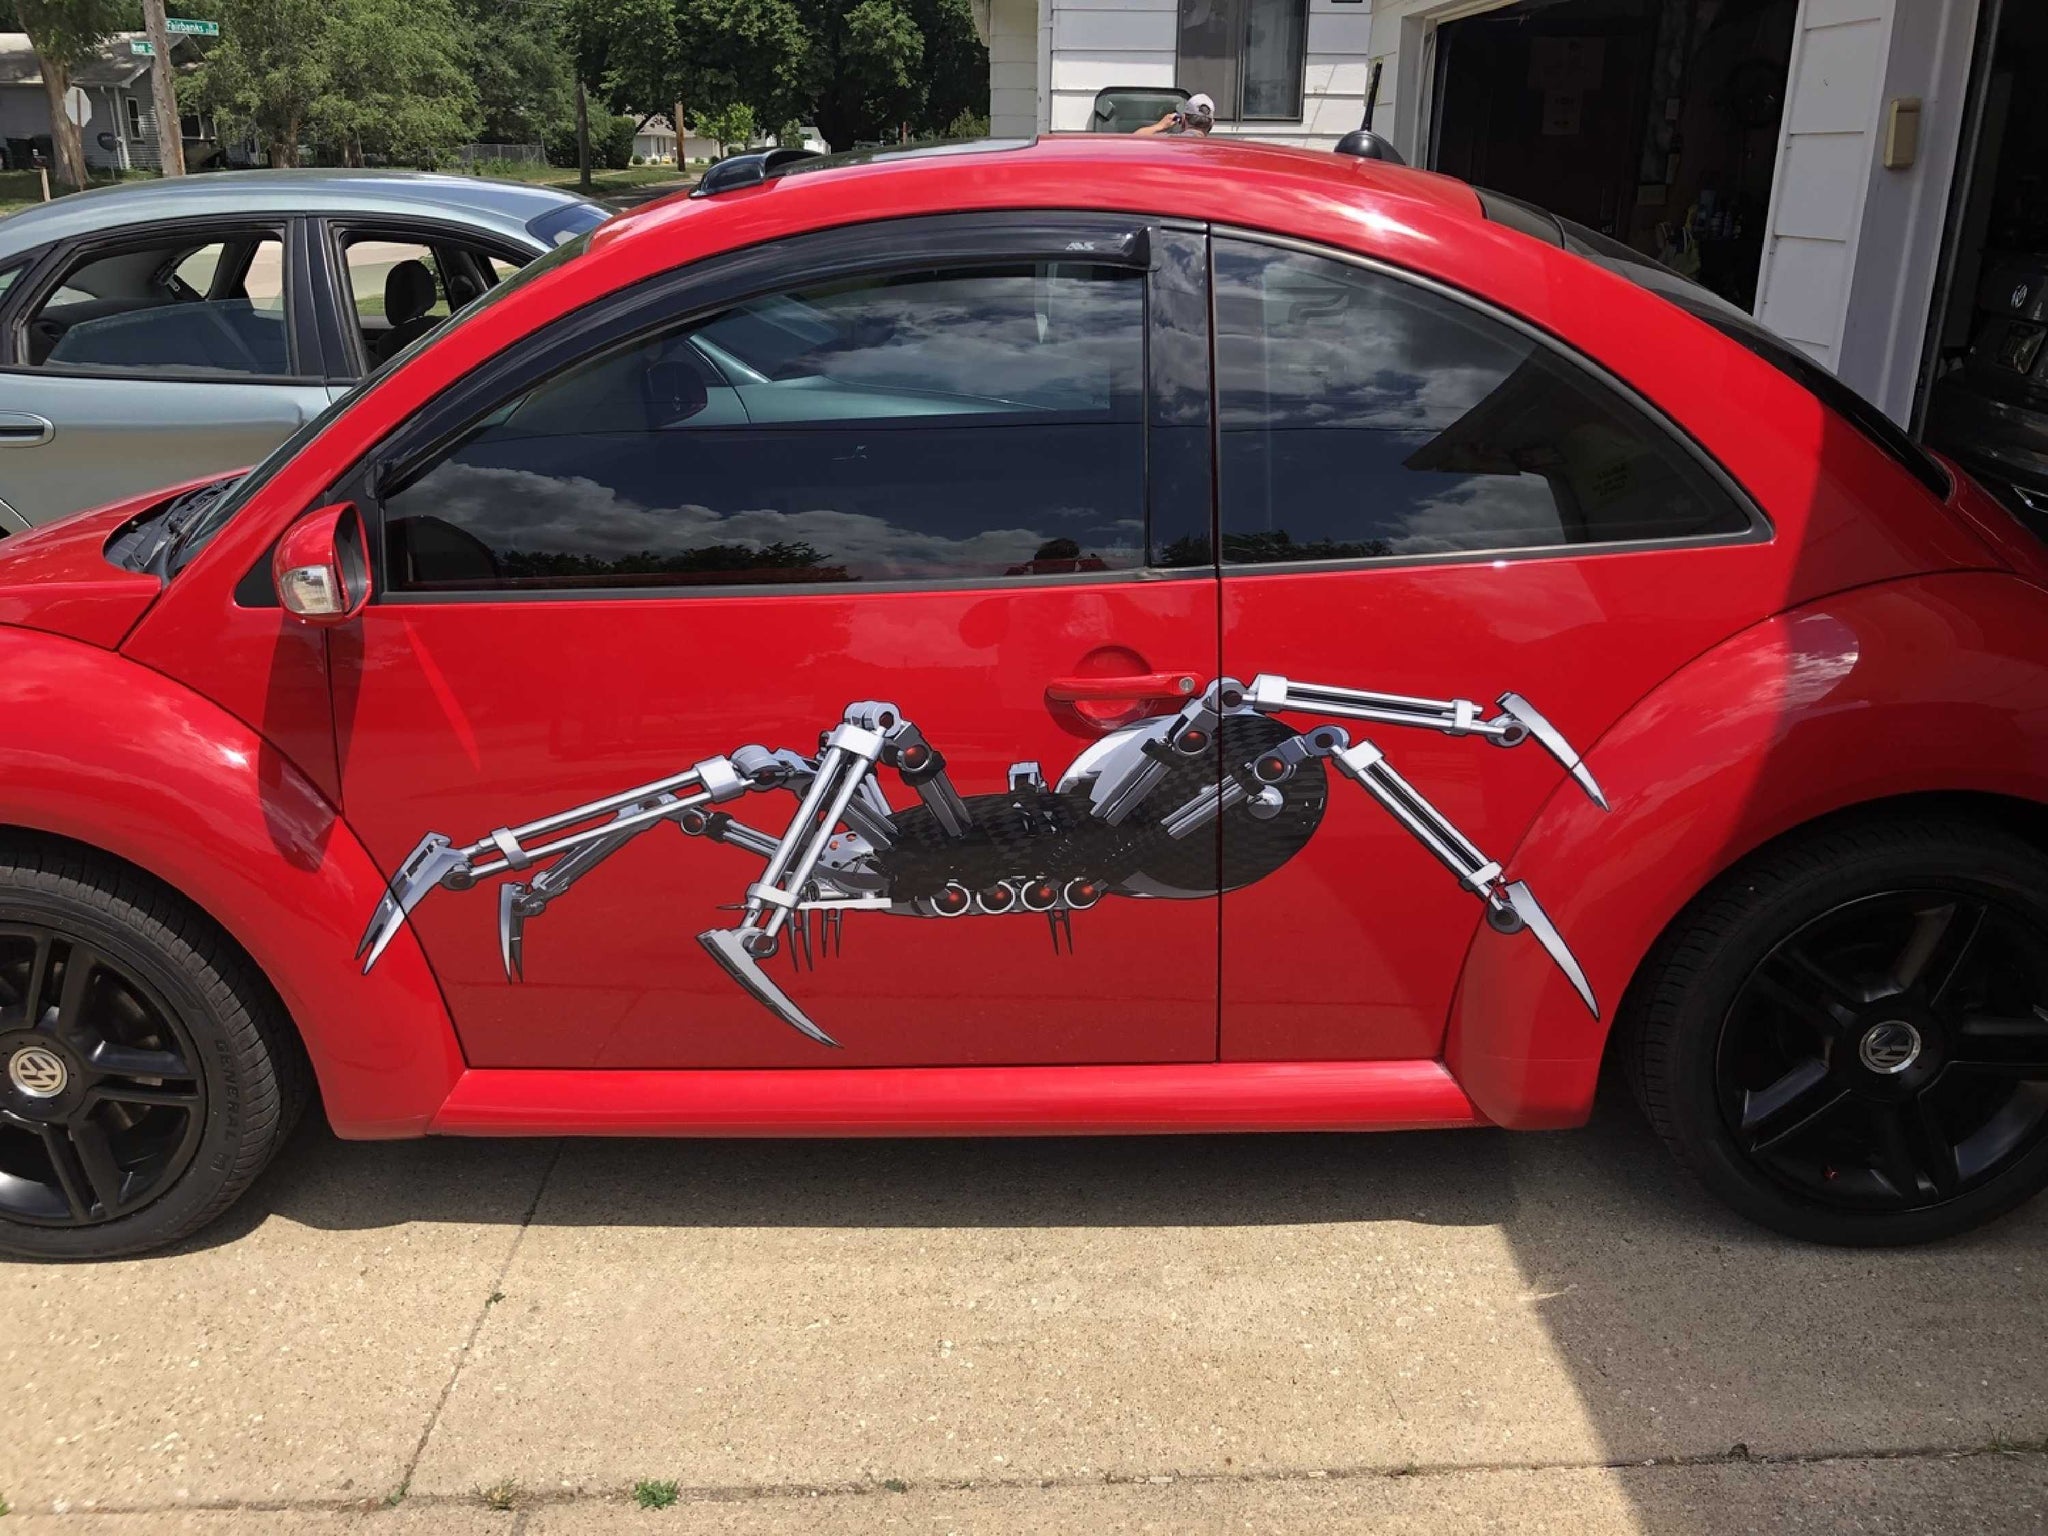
(1654, 121)
(1988, 349)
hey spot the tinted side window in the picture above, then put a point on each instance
(1363, 415)
(930, 426)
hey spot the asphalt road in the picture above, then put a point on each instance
(1443, 1332)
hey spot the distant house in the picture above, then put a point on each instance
(810, 139)
(120, 132)
(655, 143)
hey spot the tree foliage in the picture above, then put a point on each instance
(397, 82)
(64, 34)
(524, 72)
(731, 124)
(263, 76)
(358, 78)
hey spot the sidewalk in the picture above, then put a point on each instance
(1444, 1332)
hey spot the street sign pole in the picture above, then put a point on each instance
(170, 138)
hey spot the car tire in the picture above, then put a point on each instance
(1835, 1057)
(148, 1072)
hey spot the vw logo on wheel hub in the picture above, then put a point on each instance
(38, 1073)
(1889, 1048)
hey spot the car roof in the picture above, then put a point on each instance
(500, 207)
(1186, 175)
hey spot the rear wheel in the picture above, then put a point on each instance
(146, 1072)
(1847, 1038)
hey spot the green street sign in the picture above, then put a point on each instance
(142, 49)
(193, 28)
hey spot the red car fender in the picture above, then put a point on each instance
(1932, 684)
(112, 754)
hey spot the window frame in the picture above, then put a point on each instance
(48, 269)
(1760, 529)
(676, 298)
(1233, 110)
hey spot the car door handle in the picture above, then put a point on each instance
(1142, 685)
(25, 429)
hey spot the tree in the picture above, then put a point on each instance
(267, 71)
(752, 51)
(395, 82)
(955, 68)
(520, 61)
(731, 124)
(64, 34)
(875, 65)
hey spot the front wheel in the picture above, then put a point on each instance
(1847, 1037)
(147, 1073)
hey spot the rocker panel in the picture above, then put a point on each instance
(961, 1101)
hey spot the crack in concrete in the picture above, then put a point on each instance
(738, 1493)
(492, 1294)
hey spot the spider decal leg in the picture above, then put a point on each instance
(1510, 907)
(1121, 821)
(618, 819)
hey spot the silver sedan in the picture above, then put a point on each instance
(172, 329)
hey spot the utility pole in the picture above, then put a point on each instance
(170, 138)
(582, 137)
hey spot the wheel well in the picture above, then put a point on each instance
(2026, 820)
(15, 836)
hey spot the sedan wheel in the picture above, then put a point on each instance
(1847, 1037)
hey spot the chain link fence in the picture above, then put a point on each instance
(472, 155)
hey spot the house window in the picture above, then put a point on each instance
(1247, 54)
(134, 119)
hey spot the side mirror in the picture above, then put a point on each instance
(322, 566)
(675, 392)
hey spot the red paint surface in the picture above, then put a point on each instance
(953, 1101)
(133, 763)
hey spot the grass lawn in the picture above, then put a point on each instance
(602, 183)
(22, 189)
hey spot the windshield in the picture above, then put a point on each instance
(216, 517)
(558, 226)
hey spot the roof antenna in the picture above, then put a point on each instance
(1362, 141)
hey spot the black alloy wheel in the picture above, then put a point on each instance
(147, 1070)
(1893, 1052)
(101, 1097)
(1846, 1035)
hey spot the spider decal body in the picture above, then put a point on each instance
(1173, 806)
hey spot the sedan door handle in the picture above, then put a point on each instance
(25, 429)
(1143, 685)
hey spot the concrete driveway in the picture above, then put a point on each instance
(1445, 1332)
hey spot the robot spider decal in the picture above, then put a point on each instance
(1119, 822)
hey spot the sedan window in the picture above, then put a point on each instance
(169, 310)
(932, 426)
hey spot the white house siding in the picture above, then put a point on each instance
(1013, 93)
(1099, 43)
(1850, 248)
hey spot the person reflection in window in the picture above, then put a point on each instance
(1058, 557)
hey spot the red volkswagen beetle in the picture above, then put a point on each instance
(1076, 636)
